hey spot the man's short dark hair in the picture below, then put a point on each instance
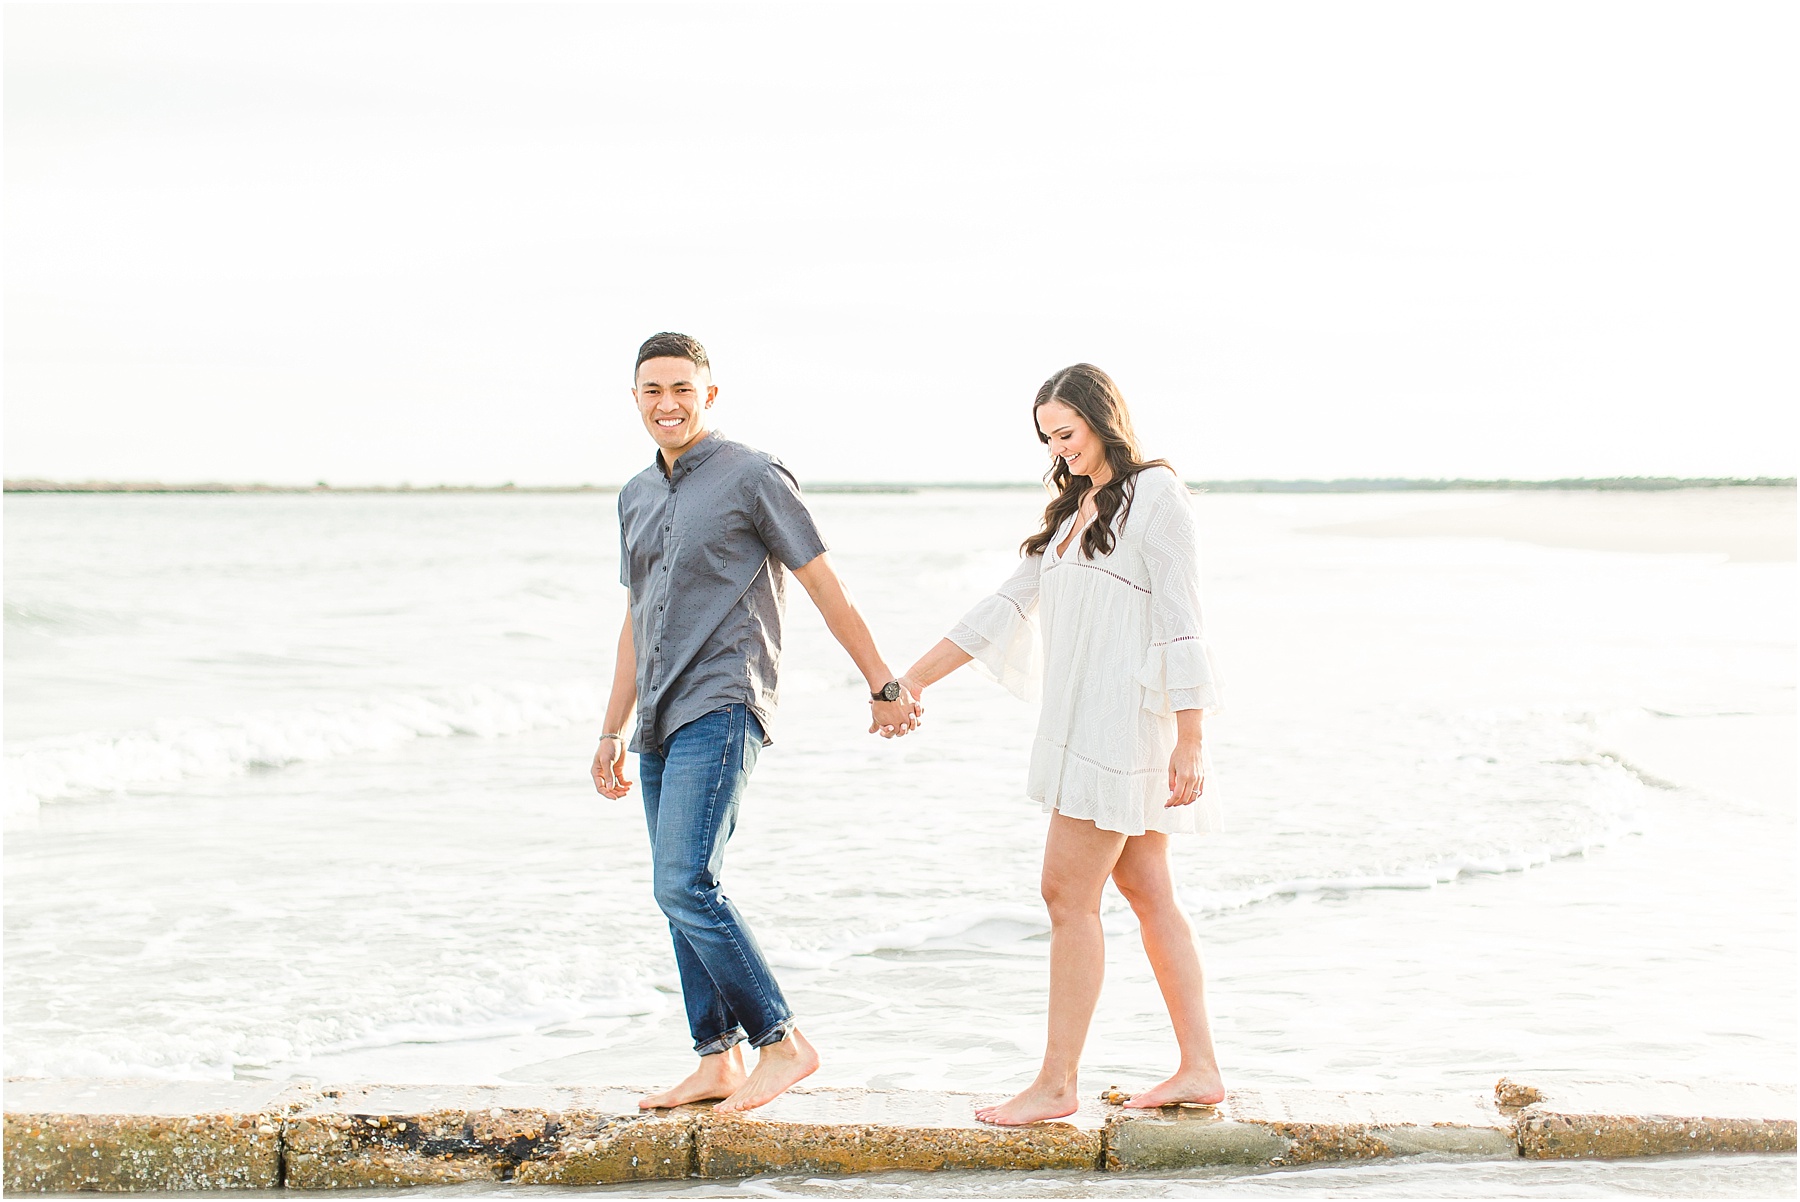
(669, 345)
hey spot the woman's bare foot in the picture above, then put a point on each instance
(778, 1067)
(1034, 1105)
(718, 1076)
(1196, 1087)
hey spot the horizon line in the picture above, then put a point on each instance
(1293, 485)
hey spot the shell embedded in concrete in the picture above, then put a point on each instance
(1515, 1094)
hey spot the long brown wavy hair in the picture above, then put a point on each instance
(1090, 392)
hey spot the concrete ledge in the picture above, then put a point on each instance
(1577, 1120)
(1448, 1139)
(865, 1130)
(1305, 1127)
(1159, 1142)
(64, 1136)
(1609, 1137)
(364, 1136)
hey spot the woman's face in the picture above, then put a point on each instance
(1072, 439)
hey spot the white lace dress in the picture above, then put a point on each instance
(1122, 649)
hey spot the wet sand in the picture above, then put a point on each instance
(1749, 757)
(1744, 757)
(1748, 525)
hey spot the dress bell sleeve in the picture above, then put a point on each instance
(1177, 671)
(1001, 632)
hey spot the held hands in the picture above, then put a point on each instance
(894, 719)
(1187, 779)
(609, 768)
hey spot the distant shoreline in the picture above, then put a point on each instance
(1355, 485)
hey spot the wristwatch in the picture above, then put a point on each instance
(889, 692)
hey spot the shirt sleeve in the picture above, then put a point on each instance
(1001, 632)
(782, 519)
(1177, 671)
(624, 551)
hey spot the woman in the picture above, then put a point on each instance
(1126, 677)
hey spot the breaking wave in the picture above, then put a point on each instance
(93, 764)
(997, 925)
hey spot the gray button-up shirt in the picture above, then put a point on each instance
(702, 549)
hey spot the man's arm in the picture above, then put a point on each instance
(890, 718)
(609, 757)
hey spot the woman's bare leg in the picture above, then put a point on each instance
(1078, 856)
(1142, 875)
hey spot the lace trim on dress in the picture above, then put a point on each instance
(1064, 563)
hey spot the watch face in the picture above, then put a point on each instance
(890, 691)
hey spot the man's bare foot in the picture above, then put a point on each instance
(778, 1067)
(1034, 1105)
(1196, 1087)
(718, 1076)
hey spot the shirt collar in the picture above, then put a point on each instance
(693, 457)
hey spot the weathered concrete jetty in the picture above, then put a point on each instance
(124, 1136)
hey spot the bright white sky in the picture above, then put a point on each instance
(385, 243)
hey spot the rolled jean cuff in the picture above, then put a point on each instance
(721, 1042)
(775, 1034)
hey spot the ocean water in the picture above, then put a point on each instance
(1415, 1177)
(297, 786)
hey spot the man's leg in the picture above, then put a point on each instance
(706, 768)
(716, 1034)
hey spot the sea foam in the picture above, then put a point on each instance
(98, 764)
(990, 926)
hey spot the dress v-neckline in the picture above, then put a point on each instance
(1062, 550)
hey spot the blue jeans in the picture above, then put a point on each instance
(691, 795)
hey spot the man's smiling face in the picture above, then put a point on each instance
(673, 397)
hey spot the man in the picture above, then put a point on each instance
(705, 534)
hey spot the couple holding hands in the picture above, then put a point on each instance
(707, 533)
